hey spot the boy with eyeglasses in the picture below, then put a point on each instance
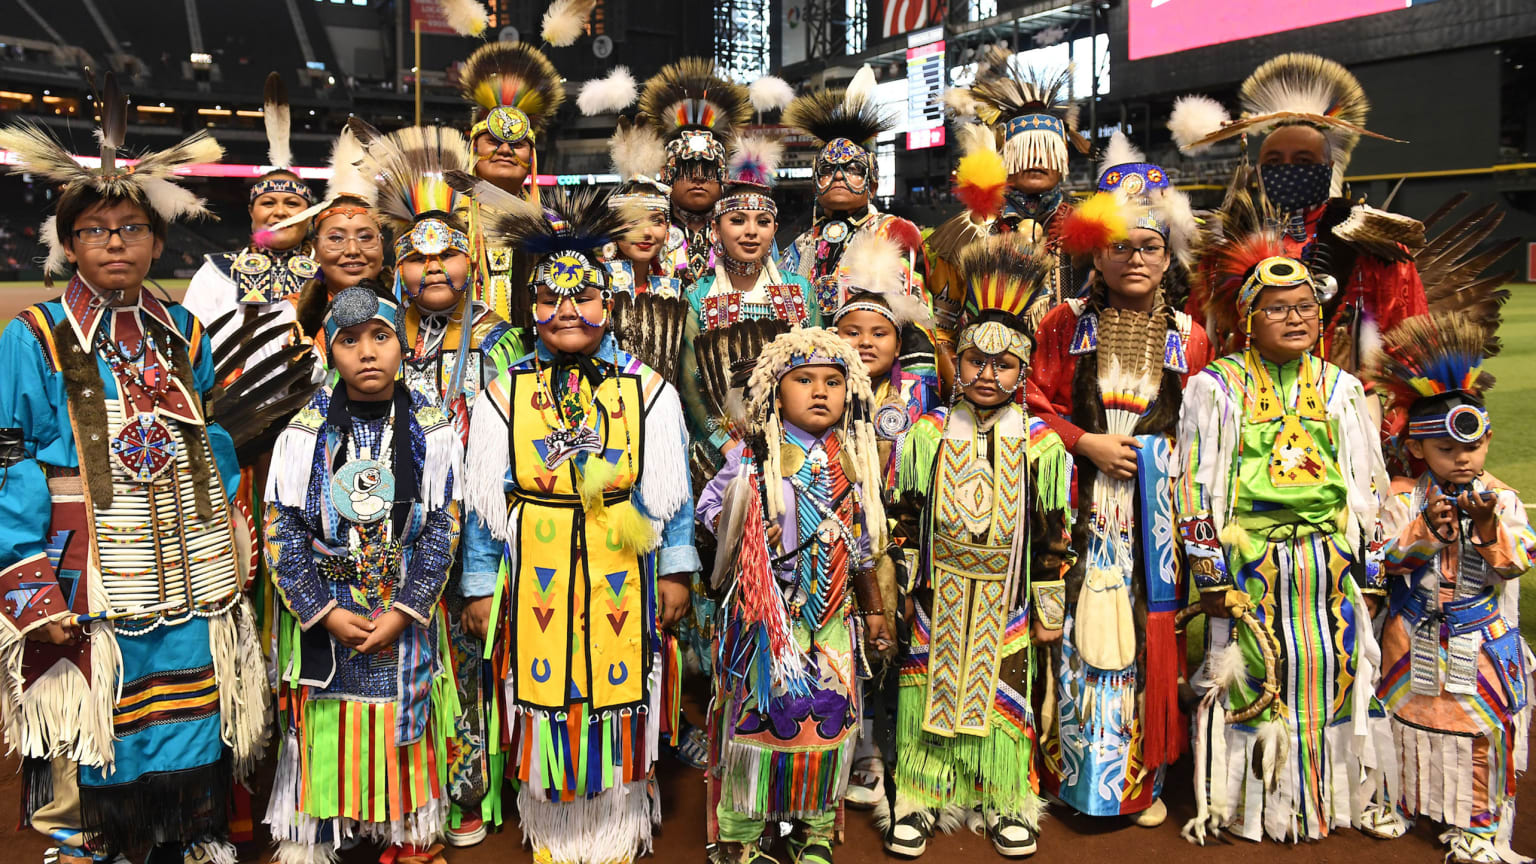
(136, 691)
(1279, 504)
(1108, 375)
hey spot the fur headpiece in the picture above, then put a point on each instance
(1026, 107)
(1132, 193)
(818, 346)
(697, 111)
(1290, 88)
(514, 88)
(1431, 367)
(150, 182)
(873, 276)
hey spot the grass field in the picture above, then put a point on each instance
(1512, 456)
(1512, 402)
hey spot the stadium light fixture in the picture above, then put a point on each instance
(215, 112)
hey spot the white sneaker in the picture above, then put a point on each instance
(866, 784)
(1153, 816)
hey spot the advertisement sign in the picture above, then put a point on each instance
(792, 32)
(430, 14)
(1165, 26)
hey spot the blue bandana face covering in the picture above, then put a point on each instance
(1296, 187)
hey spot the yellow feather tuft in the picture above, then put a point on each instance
(1105, 209)
(595, 479)
(636, 533)
(981, 169)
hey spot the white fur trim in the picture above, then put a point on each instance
(608, 95)
(1193, 118)
(664, 483)
(615, 825)
(293, 460)
(485, 465)
(770, 93)
(241, 674)
(56, 262)
(444, 462)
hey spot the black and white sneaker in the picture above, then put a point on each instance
(1012, 838)
(909, 835)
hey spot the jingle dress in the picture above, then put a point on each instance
(1282, 486)
(1457, 687)
(1102, 702)
(388, 713)
(995, 527)
(572, 564)
(119, 500)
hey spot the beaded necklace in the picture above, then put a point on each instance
(570, 433)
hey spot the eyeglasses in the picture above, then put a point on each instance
(338, 242)
(1305, 310)
(1121, 253)
(133, 232)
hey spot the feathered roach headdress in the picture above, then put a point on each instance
(1002, 276)
(415, 200)
(565, 236)
(1291, 88)
(276, 117)
(697, 111)
(874, 275)
(1431, 367)
(1132, 193)
(845, 124)
(750, 176)
(515, 91)
(816, 346)
(150, 182)
(1026, 107)
(1241, 267)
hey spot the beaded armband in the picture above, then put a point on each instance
(1202, 545)
(1050, 603)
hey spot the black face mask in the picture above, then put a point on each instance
(1296, 187)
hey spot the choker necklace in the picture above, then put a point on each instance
(1039, 206)
(688, 217)
(740, 268)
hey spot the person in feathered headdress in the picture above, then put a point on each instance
(1279, 505)
(454, 347)
(515, 92)
(882, 314)
(995, 537)
(267, 274)
(796, 513)
(362, 519)
(1455, 675)
(697, 112)
(845, 124)
(580, 446)
(123, 548)
(1108, 373)
(1016, 130)
(1311, 113)
(746, 301)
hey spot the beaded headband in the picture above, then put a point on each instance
(993, 338)
(866, 306)
(569, 272)
(282, 184)
(356, 305)
(746, 201)
(347, 210)
(1466, 423)
(506, 124)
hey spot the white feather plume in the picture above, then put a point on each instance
(466, 17)
(770, 93)
(565, 21)
(276, 118)
(961, 104)
(975, 137)
(1183, 228)
(608, 95)
(862, 87)
(875, 264)
(1193, 118)
(347, 178)
(1228, 667)
(637, 151)
(171, 201)
(1120, 151)
(57, 262)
